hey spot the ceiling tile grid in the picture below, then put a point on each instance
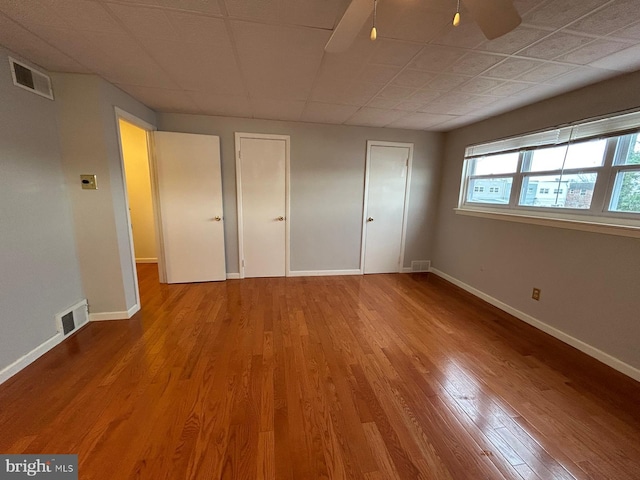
(266, 59)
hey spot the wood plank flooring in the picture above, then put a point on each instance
(374, 377)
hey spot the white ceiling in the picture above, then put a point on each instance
(265, 58)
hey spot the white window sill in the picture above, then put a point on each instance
(631, 228)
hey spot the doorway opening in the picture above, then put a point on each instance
(140, 200)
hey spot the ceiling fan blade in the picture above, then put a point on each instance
(494, 17)
(349, 26)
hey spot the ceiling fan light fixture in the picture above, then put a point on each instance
(374, 31)
(456, 17)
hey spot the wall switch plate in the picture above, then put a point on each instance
(536, 294)
(89, 182)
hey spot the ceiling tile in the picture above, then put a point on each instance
(609, 19)
(161, 100)
(555, 45)
(228, 105)
(449, 109)
(196, 6)
(631, 32)
(424, 95)
(515, 40)
(388, 103)
(511, 68)
(61, 14)
(381, 74)
(593, 51)
(374, 117)
(524, 6)
(556, 14)
(456, 122)
(582, 76)
(465, 35)
(545, 72)
(474, 63)
(412, 78)
(479, 85)
(446, 82)
(353, 93)
(24, 43)
(144, 22)
(271, 67)
(277, 40)
(410, 106)
(393, 52)
(309, 13)
(396, 93)
(627, 60)
(420, 121)
(416, 24)
(197, 29)
(510, 88)
(123, 61)
(277, 109)
(435, 58)
(327, 112)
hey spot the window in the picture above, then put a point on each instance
(588, 169)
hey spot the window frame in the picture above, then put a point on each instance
(604, 191)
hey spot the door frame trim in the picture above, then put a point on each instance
(263, 136)
(121, 114)
(407, 188)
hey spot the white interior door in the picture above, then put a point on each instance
(190, 197)
(388, 170)
(261, 169)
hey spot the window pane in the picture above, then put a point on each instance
(490, 190)
(626, 192)
(577, 155)
(555, 191)
(628, 151)
(495, 164)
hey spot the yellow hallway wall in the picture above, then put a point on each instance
(136, 164)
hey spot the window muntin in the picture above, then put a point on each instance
(597, 177)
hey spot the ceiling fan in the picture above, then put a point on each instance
(494, 17)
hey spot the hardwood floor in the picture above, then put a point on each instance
(374, 377)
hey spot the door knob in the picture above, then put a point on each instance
(280, 219)
(217, 218)
(370, 219)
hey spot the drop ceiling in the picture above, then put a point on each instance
(266, 59)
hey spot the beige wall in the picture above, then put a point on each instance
(589, 281)
(136, 164)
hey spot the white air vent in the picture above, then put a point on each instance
(71, 319)
(420, 265)
(30, 79)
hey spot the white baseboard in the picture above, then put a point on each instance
(590, 350)
(406, 270)
(146, 260)
(10, 370)
(324, 273)
(102, 316)
(233, 276)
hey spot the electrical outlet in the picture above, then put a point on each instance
(536, 294)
